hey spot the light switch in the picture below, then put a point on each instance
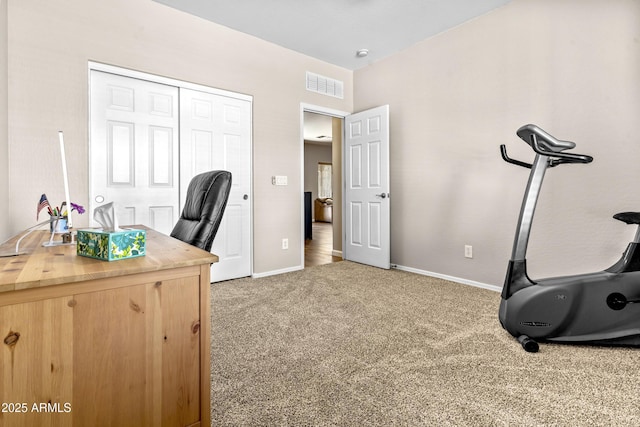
(279, 180)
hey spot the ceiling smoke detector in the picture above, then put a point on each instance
(361, 53)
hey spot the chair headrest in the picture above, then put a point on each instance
(205, 189)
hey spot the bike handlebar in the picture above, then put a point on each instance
(546, 145)
(506, 158)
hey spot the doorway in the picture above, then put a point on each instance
(360, 145)
(322, 172)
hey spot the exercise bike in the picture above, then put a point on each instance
(601, 308)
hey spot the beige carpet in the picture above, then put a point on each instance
(349, 345)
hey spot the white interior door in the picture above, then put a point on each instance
(134, 150)
(215, 134)
(366, 175)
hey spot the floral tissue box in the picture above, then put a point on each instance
(111, 246)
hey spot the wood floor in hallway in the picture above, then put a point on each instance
(317, 251)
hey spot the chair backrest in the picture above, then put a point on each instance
(206, 201)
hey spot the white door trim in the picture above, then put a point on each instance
(310, 108)
(98, 66)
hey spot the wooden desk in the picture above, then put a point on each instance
(88, 343)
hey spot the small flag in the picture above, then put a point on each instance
(43, 203)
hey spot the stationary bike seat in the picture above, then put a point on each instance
(628, 217)
(548, 142)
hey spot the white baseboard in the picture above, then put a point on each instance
(450, 278)
(336, 253)
(275, 272)
(399, 267)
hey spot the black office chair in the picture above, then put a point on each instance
(207, 197)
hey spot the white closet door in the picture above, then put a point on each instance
(149, 138)
(134, 150)
(215, 134)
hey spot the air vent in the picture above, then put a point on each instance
(325, 85)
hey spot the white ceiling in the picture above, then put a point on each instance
(333, 30)
(318, 128)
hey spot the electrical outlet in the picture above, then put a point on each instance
(468, 251)
(285, 243)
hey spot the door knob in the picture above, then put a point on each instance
(245, 197)
(382, 195)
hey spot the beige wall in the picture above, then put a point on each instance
(49, 45)
(336, 156)
(570, 66)
(4, 145)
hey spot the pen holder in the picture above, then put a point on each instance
(58, 224)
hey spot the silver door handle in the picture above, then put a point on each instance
(382, 195)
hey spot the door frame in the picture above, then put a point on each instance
(126, 72)
(317, 109)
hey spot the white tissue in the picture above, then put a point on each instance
(105, 215)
